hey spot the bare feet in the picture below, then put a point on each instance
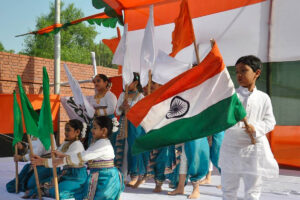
(205, 181)
(157, 189)
(195, 195)
(132, 182)
(219, 186)
(176, 191)
(139, 182)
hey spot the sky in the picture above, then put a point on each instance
(19, 17)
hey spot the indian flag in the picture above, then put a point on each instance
(200, 102)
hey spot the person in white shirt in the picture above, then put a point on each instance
(239, 158)
(73, 176)
(104, 181)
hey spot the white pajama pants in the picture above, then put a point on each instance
(231, 182)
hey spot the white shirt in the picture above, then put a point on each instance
(100, 150)
(74, 148)
(131, 101)
(109, 100)
(38, 149)
(237, 154)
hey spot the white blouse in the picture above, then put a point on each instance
(74, 148)
(131, 101)
(100, 150)
(38, 149)
(109, 100)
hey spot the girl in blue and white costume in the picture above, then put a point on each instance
(104, 101)
(104, 181)
(26, 176)
(73, 176)
(135, 166)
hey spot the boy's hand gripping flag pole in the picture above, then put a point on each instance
(253, 141)
(45, 127)
(30, 118)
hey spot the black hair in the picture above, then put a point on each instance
(105, 79)
(105, 122)
(76, 124)
(252, 61)
(136, 77)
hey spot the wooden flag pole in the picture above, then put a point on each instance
(55, 180)
(125, 119)
(253, 141)
(34, 169)
(149, 82)
(17, 170)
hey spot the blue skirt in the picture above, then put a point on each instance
(27, 179)
(102, 184)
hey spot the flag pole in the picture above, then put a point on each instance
(55, 180)
(195, 45)
(149, 82)
(34, 169)
(125, 119)
(17, 170)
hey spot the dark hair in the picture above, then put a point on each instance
(76, 124)
(105, 122)
(136, 77)
(105, 79)
(252, 61)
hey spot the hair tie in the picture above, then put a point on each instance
(115, 124)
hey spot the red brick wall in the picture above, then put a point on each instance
(30, 70)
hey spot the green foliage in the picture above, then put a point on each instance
(4, 50)
(77, 41)
(104, 56)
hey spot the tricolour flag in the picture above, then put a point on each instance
(30, 116)
(200, 102)
(18, 124)
(45, 124)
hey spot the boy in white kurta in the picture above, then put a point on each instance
(239, 158)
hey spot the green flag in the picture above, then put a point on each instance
(30, 116)
(18, 125)
(45, 126)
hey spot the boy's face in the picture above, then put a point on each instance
(245, 75)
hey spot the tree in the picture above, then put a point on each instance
(104, 56)
(76, 41)
(3, 49)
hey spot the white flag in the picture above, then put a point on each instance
(79, 98)
(148, 50)
(119, 54)
(166, 68)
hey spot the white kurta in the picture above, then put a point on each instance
(109, 100)
(131, 101)
(74, 148)
(100, 150)
(38, 149)
(237, 154)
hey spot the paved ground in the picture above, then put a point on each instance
(286, 187)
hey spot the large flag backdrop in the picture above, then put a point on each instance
(261, 27)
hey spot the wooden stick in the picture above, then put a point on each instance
(253, 141)
(54, 167)
(35, 169)
(17, 170)
(125, 119)
(149, 82)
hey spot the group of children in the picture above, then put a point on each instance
(100, 171)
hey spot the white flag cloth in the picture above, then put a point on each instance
(121, 58)
(166, 68)
(79, 98)
(148, 50)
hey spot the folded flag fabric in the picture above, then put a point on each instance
(200, 102)
(18, 124)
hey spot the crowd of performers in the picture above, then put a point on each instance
(94, 164)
